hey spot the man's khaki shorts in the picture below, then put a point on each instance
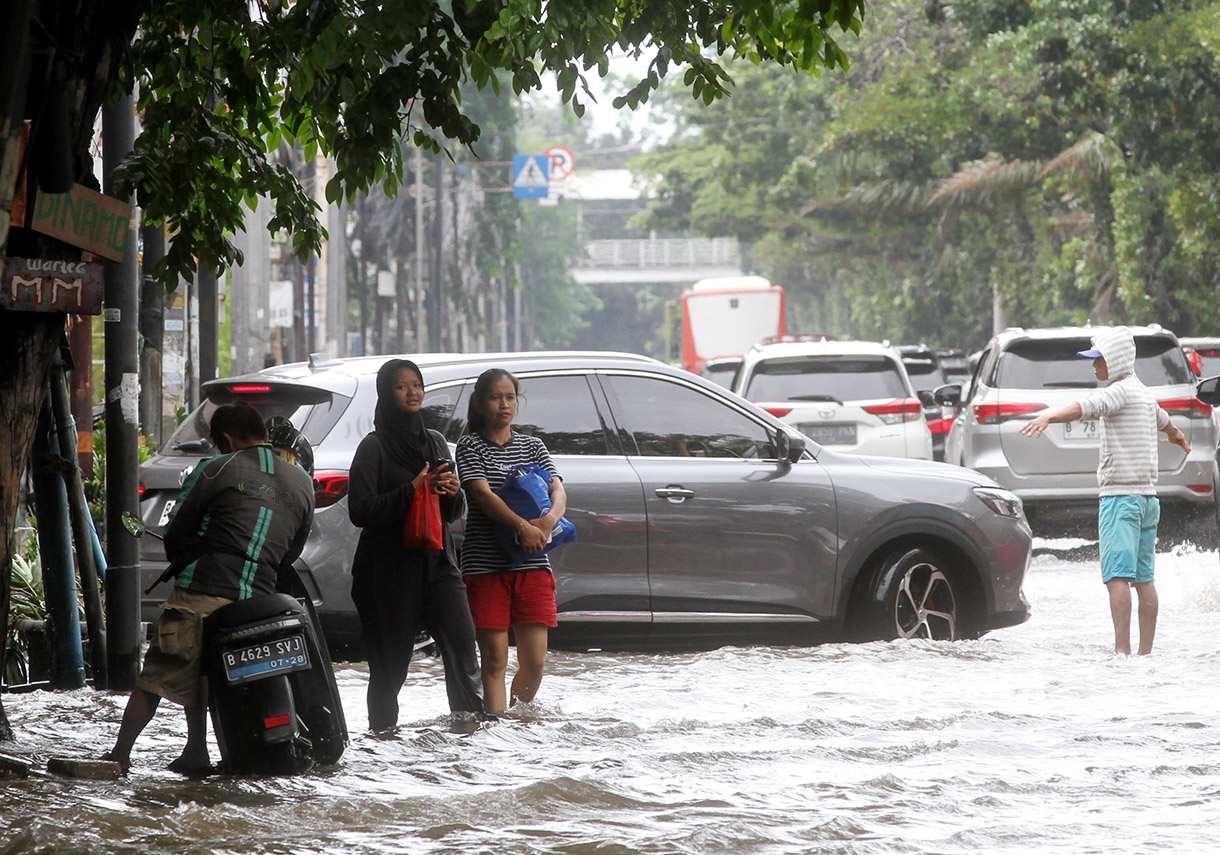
(174, 662)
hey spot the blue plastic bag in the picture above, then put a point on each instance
(527, 492)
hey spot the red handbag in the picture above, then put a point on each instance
(422, 530)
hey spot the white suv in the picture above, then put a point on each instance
(852, 396)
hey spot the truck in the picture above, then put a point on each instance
(723, 317)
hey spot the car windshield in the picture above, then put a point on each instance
(721, 373)
(311, 411)
(924, 372)
(1055, 364)
(826, 378)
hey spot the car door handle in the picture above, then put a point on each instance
(675, 493)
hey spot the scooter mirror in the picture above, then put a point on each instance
(133, 524)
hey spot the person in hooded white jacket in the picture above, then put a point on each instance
(1128, 511)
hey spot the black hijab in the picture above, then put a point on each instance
(403, 435)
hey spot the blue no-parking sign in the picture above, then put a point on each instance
(531, 176)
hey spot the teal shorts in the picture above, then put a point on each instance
(1126, 531)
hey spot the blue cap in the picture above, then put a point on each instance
(1091, 354)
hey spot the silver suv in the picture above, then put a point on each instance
(1022, 372)
(701, 518)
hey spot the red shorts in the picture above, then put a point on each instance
(501, 600)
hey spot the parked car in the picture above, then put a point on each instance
(701, 519)
(924, 368)
(853, 396)
(1023, 372)
(1208, 350)
(721, 370)
(955, 364)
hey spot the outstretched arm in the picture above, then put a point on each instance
(1039, 423)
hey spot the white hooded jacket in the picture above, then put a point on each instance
(1130, 418)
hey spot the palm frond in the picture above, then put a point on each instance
(875, 198)
(983, 183)
(1089, 159)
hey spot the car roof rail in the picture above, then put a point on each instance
(789, 338)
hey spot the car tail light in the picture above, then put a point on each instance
(246, 388)
(939, 426)
(778, 412)
(1192, 408)
(328, 488)
(1201, 489)
(897, 410)
(1195, 360)
(140, 490)
(994, 414)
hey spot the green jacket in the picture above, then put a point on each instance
(240, 517)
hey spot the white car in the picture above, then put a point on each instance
(852, 396)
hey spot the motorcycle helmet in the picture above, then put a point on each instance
(289, 443)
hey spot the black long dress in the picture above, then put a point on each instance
(397, 591)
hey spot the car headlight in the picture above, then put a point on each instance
(1003, 502)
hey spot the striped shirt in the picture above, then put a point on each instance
(1130, 418)
(478, 458)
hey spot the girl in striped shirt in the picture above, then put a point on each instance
(503, 597)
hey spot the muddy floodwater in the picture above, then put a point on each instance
(1034, 739)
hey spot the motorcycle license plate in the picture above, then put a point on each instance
(281, 656)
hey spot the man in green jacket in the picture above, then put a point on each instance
(241, 516)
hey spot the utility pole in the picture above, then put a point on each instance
(122, 422)
(249, 310)
(152, 328)
(418, 344)
(436, 296)
(209, 324)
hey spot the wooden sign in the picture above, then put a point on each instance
(84, 218)
(42, 285)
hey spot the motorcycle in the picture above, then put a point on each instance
(272, 696)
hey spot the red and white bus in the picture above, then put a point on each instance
(725, 316)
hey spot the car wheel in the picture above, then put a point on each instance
(913, 596)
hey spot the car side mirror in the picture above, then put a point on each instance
(1208, 391)
(796, 448)
(788, 447)
(949, 395)
(926, 397)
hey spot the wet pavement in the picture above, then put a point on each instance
(1032, 739)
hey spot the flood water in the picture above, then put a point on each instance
(1033, 739)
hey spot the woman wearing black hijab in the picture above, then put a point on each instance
(399, 591)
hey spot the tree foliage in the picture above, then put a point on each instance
(219, 89)
(1061, 155)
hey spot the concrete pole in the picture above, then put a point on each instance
(335, 341)
(209, 323)
(436, 295)
(418, 344)
(152, 328)
(251, 307)
(121, 314)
